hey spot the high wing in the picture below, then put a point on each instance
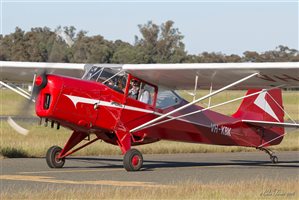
(24, 71)
(172, 76)
(182, 76)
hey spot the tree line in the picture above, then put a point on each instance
(157, 44)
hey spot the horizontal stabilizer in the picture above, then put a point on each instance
(268, 123)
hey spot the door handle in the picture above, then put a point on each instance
(96, 105)
(116, 104)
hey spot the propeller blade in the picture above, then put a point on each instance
(38, 84)
(17, 127)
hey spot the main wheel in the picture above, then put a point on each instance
(52, 157)
(133, 160)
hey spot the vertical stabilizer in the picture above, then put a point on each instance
(263, 107)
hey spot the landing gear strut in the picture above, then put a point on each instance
(133, 160)
(52, 157)
(273, 158)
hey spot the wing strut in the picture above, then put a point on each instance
(138, 128)
(195, 87)
(20, 92)
(210, 98)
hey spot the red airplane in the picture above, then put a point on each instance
(128, 105)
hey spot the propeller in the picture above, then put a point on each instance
(39, 82)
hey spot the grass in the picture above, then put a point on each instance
(11, 103)
(253, 189)
(40, 138)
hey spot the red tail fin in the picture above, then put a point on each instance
(265, 106)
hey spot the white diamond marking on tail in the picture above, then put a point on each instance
(262, 103)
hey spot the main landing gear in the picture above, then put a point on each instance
(55, 156)
(52, 157)
(273, 158)
(133, 160)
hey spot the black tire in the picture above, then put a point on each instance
(51, 157)
(133, 160)
(274, 159)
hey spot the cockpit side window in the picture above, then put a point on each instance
(141, 91)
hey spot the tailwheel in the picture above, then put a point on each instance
(274, 159)
(52, 157)
(133, 160)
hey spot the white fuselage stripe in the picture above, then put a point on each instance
(76, 100)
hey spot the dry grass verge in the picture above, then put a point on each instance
(40, 139)
(253, 189)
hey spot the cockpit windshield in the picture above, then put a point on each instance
(115, 78)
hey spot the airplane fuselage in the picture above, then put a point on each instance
(94, 108)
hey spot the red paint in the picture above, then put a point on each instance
(113, 123)
(135, 160)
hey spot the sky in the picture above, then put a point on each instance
(230, 27)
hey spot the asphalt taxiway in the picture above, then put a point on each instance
(158, 170)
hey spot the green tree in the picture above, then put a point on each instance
(233, 58)
(58, 52)
(206, 57)
(78, 49)
(19, 49)
(93, 49)
(5, 47)
(280, 54)
(170, 46)
(161, 44)
(251, 56)
(39, 42)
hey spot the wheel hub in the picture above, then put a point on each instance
(57, 159)
(135, 160)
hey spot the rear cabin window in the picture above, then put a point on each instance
(167, 98)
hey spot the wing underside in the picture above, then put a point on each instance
(182, 76)
(24, 71)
